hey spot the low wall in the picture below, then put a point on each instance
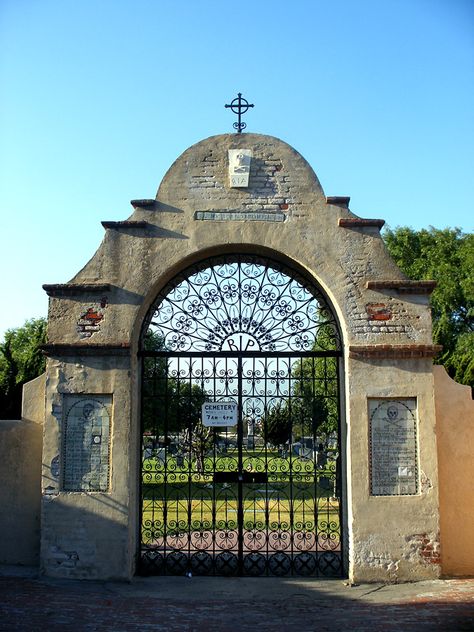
(455, 438)
(20, 475)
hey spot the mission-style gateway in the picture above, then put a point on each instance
(240, 382)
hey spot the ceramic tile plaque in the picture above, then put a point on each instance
(393, 447)
(86, 442)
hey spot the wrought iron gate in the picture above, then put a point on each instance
(260, 492)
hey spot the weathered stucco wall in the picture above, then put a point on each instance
(396, 537)
(20, 476)
(87, 535)
(96, 319)
(455, 436)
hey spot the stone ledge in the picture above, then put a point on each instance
(404, 287)
(338, 200)
(142, 203)
(74, 349)
(125, 224)
(394, 351)
(68, 289)
(359, 222)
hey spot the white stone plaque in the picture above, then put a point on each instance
(393, 447)
(219, 414)
(239, 167)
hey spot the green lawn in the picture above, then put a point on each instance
(192, 501)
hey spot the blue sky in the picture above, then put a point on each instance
(100, 97)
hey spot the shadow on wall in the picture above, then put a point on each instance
(90, 539)
(20, 491)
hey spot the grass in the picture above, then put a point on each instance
(181, 500)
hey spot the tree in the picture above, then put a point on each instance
(21, 360)
(172, 405)
(447, 256)
(312, 408)
(315, 397)
(277, 424)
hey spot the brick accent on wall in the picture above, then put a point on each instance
(394, 351)
(403, 287)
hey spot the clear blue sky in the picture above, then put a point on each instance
(98, 98)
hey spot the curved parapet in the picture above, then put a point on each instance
(202, 208)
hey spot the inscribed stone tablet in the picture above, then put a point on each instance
(393, 447)
(86, 442)
(238, 216)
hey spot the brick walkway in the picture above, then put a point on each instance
(233, 605)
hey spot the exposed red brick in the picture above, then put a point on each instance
(378, 311)
(39, 604)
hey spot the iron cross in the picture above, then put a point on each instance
(239, 106)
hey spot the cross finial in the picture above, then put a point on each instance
(239, 106)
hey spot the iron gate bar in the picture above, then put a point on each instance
(243, 295)
(240, 439)
(241, 518)
(240, 354)
(287, 547)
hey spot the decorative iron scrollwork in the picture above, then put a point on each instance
(261, 497)
(242, 303)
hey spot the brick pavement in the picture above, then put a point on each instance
(232, 605)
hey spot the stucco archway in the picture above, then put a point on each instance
(260, 494)
(94, 326)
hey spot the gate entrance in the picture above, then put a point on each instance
(241, 471)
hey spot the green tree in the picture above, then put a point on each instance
(312, 409)
(277, 424)
(172, 405)
(21, 360)
(315, 397)
(447, 256)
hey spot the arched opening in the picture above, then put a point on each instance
(241, 433)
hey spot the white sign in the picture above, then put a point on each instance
(239, 167)
(219, 414)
